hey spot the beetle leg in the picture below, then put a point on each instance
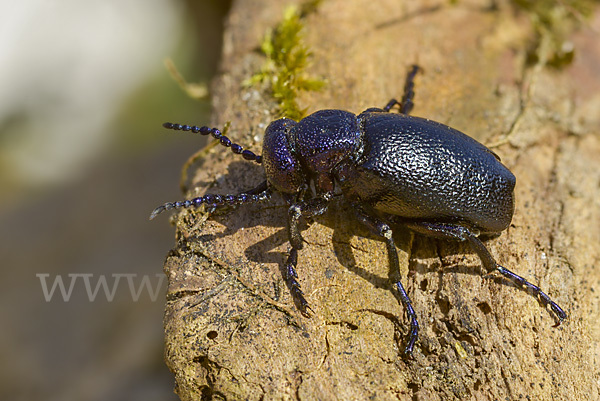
(291, 279)
(456, 232)
(409, 93)
(383, 230)
(308, 209)
(258, 194)
(390, 104)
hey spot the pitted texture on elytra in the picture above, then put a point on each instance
(417, 168)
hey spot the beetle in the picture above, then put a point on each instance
(392, 168)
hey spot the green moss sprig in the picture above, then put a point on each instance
(287, 58)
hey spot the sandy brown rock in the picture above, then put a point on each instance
(232, 331)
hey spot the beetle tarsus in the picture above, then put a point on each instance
(413, 333)
(291, 279)
(542, 297)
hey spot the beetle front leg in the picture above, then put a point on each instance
(383, 230)
(259, 194)
(308, 209)
(457, 232)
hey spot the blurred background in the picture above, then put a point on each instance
(83, 161)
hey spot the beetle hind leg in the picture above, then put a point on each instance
(457, 232)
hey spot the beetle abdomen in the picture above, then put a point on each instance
(420, 169)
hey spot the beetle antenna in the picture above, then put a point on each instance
(223, 140)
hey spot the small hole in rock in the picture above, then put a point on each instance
(484, 307)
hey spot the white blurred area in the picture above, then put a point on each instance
(66, 66)
(83, 91)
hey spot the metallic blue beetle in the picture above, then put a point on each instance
(392, 168)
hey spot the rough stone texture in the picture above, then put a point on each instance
(231, 328)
